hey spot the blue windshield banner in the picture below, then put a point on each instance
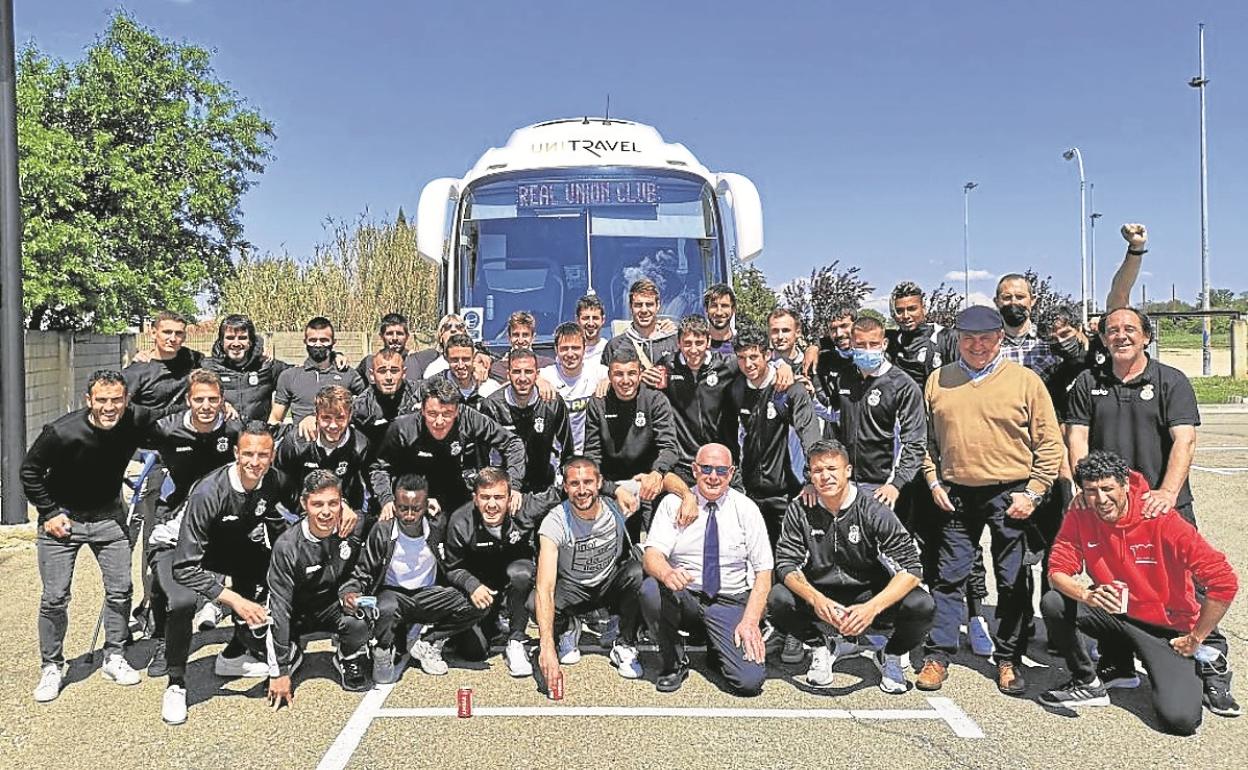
(588, 192)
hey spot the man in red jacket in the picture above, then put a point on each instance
(1141, 601)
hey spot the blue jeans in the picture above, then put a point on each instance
(108, 541)
(975, 508)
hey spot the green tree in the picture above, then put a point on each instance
(133, 164)
(815, 298)
(755, 299)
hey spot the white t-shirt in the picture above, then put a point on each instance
(576, 394)
(743, 546)
(413, 564)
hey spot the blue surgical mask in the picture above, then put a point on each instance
(868, 360)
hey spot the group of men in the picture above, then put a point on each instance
(696, 479)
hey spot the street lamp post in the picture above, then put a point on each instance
(1092, 244)
(966, 240)
(1074, 154)
(1199, 82)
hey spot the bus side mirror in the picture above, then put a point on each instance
(747, 213)
(432, 218)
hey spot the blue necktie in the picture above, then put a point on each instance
(710, 553)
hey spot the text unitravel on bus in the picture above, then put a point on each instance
(579, 206)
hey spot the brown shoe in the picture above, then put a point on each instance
(932, 676)
(1009, 680)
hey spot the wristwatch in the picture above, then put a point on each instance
(1034, 497)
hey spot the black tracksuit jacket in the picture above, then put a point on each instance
(542, 426)
(630, 437)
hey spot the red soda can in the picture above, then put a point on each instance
(1123, 594)
(463, 702)
(555, 689)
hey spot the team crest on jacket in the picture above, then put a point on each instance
(640, 420)
(456, 448)
(539, 424)
(771, 410)
(341, 470)
(1146, 392)
(855, 534)
(935, 360)
(344, 550)
(261, 504)
(874, 397)
(712, 379)
(513, 537)
(922, 355)
(223, 444)
(253, 379)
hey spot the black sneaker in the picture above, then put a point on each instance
(1075, 693)
(352, 672)
(1220, 701)
(158, 666)
(1116, 676)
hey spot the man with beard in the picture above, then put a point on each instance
(644, 336)
(575, 375)
(831, 359)
(297, 386)
(248, 377)
(394, 334)
(448, 445)
(720, 303)
(542, 426)
(1023, 343)
(391, 395)
(590, 316)
(461, 357)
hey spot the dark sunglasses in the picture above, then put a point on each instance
(718, 470)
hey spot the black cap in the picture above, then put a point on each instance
(979, 318)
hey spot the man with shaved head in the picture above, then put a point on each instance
(715, 572)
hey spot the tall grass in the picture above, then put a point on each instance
(365, 270)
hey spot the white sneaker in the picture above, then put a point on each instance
(429, 655)
(793, 651)
(570, 644)
(624, 658)
(242, 666)
(208, 617)
(384, 670)
(173, 705)
(820, 672)
(116, 669)
(517, 657)
(49, 684)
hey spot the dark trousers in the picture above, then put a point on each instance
(773, 509)
(667, 612)
(910, 618)
(444, 608)
(109, 543)
(353, 632)
(515, 583)
(975, 508)
(1175, 679)
(918, 512)
(246, 571)
(620, 593)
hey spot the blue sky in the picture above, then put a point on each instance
(858, 122)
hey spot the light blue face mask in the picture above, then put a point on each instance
(868, 360)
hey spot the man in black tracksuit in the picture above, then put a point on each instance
(698, 382)
(310, 563)
(918, 346)
(541, 425)
(832, 358)
(336, 448)
(248, 377)
(389, 396)
(841, 564)
(767, 416)
(448, 445)
(629, 432)
(400, 567)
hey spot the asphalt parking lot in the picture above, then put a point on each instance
(603, 720)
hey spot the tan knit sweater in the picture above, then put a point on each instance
(997, 429)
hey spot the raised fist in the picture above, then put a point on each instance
(1136, 236)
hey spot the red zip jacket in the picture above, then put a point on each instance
(1156, 558)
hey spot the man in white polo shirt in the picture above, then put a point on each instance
(575, 376)
(715, 572)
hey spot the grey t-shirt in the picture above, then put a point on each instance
(590, 549)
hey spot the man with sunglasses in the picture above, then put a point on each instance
(714, 573)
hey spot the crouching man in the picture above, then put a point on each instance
(310, 560)
(1141, 601)
(400, 568)
(843, 563)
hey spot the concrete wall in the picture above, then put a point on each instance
(58, 365)
(288, 346)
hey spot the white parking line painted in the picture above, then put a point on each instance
(1220, 471)
(1221, 448)
(348, 740)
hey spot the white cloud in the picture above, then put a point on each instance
(976, 275)
(980, 298)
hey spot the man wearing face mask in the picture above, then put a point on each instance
(297, 387)
(883, 423)
(248, 377)
(1023, 343)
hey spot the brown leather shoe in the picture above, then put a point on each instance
(932, 676)
(1010, 680)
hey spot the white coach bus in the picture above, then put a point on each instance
(577, 206)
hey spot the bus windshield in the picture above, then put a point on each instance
(539, 240)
